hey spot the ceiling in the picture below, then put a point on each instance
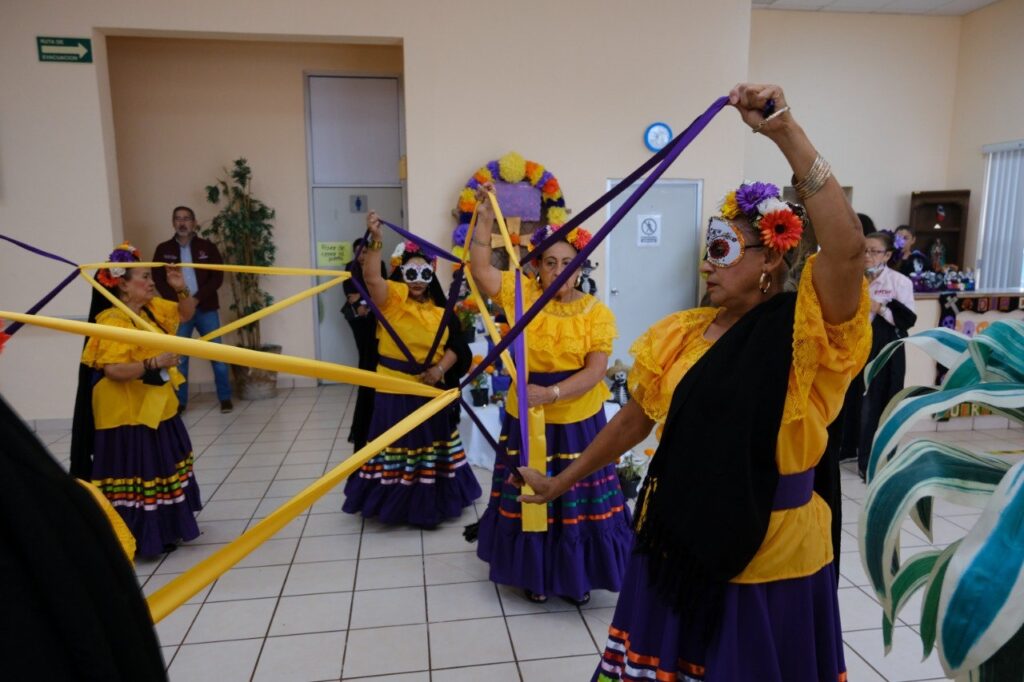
(933, 7)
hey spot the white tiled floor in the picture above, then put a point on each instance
(333, 597)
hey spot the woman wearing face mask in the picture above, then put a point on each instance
(127, 412)
(892, 315)
(586, 545)
(731, 577)
(908, 260)
(422, 478)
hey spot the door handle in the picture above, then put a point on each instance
(614, 292)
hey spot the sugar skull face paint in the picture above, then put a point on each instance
(725, 245)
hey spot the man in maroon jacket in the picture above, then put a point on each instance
(187, 247)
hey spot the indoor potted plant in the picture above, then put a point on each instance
(972, 589)
(630, 470)
(243, 231)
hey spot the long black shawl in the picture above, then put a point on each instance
(708, 497)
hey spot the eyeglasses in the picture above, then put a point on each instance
(875, 252)
(412, 273)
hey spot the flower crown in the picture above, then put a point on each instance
(780, 224)
(403, 248)
(576, 237)
(124, 253)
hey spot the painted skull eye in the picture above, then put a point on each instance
(719, 249)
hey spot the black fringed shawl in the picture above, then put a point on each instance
(73, 609)
(707, 501)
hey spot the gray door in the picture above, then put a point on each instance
(652, 258)
(355, 145)
(336, 221)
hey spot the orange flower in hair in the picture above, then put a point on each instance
(781, 230)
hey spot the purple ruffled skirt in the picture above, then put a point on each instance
(147, 476)
(589, 536)
(781, 631)
(422, 478)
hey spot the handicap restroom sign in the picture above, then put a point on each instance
(648, 230)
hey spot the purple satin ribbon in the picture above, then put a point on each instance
(674, 149)
(794, 490)
(519, 358)
(429, 248)
(15, 326)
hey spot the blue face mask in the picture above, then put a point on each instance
(873, 271)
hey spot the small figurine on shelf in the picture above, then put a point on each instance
(587, 284)
(617, 375)
(938, 253)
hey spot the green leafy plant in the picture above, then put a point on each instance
(973, 604)
(244, 233)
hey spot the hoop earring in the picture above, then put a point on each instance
(579, 281)
(765, 283)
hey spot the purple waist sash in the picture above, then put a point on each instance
(794, 490)
(400, 365)
(550, 378)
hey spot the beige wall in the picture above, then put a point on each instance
(989, 98)
(569, 84)
(875, 94)
(184, 109)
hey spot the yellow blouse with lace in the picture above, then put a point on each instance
(415, 323)
(826, 357)
(132, 403)
(559, 339)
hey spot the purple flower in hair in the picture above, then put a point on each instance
(122, 256)
(539, 235)
(459, 236)
(749, 196)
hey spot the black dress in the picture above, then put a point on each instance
(364, 330)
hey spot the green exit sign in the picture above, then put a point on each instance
(64, 49)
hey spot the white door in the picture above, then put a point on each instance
(652, 258)
(355, 141)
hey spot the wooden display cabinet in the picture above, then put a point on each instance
(952, 229)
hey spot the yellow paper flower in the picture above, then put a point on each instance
(534, 171)
(512, 167)
(557, 216)
(573, 233)
(729, 208)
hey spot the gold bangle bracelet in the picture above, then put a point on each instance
(818, 174)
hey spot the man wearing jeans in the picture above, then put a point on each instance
(187, 247)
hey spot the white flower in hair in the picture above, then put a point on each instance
(117, 272)
(399, 250)
(771, 205)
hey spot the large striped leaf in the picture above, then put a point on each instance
(981, 605)
(945, 346)
(908, 580)
(909, 410)
(921, 469)
(930, 603)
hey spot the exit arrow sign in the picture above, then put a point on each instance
(64, 49)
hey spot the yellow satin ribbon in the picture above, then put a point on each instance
(534, 516)
(117, 303)
(288, 364)
(187, 585)
(222, 267)
(271, 309)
